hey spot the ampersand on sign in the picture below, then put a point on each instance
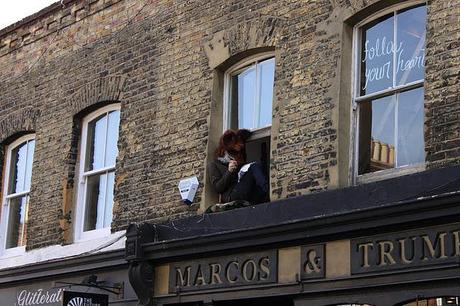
(313, 263)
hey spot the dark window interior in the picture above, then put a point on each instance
(274, 301)
(258, 150)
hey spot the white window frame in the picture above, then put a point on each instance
(356, 99)
(81, 176)
(227, 106)
(16, 251)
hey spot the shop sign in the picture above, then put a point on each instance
(312, 262)
(84, 299)
(408, 249)
(229, 271)
(33, 297)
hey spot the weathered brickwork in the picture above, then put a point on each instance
(443, 84)
(159, 60)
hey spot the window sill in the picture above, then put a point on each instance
(12, 252)
(93, 235)
(260, 133)
(387, 174)
(112, 242)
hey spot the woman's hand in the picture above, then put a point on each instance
(232, 165)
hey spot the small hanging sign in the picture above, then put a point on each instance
(72, 298)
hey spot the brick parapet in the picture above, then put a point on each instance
(48, 21)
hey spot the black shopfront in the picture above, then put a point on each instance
(87, 280)
(394, 242)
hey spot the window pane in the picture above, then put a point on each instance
(112, 138)
(377, 55)
(30, 159)
(246, 98)
(95, 202)
(392, 54)
(99, 201)
(17, 221)
(267, 76)
(18, 169)
(411, 145)
(377, 135)
(96, 143)
(411, 37)
(109, 199)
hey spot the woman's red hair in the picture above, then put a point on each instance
(233, 142)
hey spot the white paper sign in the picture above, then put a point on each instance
(188, 188)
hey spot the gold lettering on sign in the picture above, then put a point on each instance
(402, 244)
(227, 271)
(439, 241)
(184, 279)
(223, 271)
(385, 249)
(412, 248)
(457, 243)
(246, 265)
(264, 264)
(365, 258)
(215, 277)
(199, 278)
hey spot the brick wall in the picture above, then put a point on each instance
(442, 98)
(160, 66)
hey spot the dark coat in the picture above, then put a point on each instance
(222, 180)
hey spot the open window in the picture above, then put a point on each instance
(16, 189)
(248, 100)
(388, 98)
(96, 172)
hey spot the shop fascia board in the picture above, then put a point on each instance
(419, 213)
(445, 279)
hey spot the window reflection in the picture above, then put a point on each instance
(391, 95)
(99, 171)
(99, 199)
(252, 95)
(410, 59)
(17, 198)
(18, 169)
(245, 82)
(17, 222)
(28, 169)
(377, 55)
(393, 50)
(391, 132)
(112, 138)
(377, 135)
(95, 199)
(97, 130)
(267, 76)
(411, 144)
